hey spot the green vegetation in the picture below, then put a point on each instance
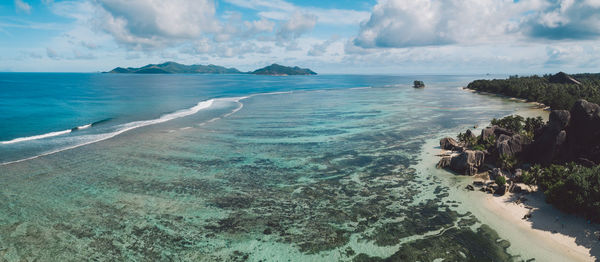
(571, 188)
(276, 69)
(512, 123)
(486, 144)
(176, 68)
(558, 91)
(520, 125)
(467, 140)
(500, 180)
(530, 176)
(532, 124)
(507, 162)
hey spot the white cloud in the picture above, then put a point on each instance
(259, 26)
(297, 25)
(80, 55)
(22, 6)
(405, 23)
(408, 23)
(321, 48)
(147, 23)
(52, 54)
(566, 19)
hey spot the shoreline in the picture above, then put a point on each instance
(549, 235)
(537, 105)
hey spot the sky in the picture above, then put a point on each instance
(335, 37)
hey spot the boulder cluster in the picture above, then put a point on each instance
(471, 162)
(569, 136)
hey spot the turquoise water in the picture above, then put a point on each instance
(234, 168)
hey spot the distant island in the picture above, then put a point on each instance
(276, 69)
(176, 68)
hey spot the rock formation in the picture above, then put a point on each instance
(510, 146)
(448, 143)
(563, 78)
(494, 130)
(569, 136)
(468, 162)
(418, 84)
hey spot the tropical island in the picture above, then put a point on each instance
(276, 69)
(176, 68)
(559, 158)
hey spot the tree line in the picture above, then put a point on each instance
(559, 96)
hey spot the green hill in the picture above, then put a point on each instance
(175, 68)
(276, 69)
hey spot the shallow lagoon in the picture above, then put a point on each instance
(323, 174)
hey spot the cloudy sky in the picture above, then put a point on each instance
(373, 36)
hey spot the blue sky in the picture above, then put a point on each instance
(372, 37)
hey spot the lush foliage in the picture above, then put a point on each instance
(507, 162)
(530, 176)
(532, 124)
(466, 139)
(572, 188)
(176, 68)
(500, 180)
(520, 125)
(276, 69)
(541, 89)
(512, 122)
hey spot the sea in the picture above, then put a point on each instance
(190, 167)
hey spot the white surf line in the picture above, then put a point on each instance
(128, 127)
(42, 136)
(360, 87)
(29, 138)
(84, 126)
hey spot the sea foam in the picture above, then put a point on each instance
(29, 138)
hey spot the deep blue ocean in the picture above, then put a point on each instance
(113, 167)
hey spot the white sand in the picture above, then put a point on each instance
(558, 236)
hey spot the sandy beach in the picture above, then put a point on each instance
(556, 233)
(548, 235)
